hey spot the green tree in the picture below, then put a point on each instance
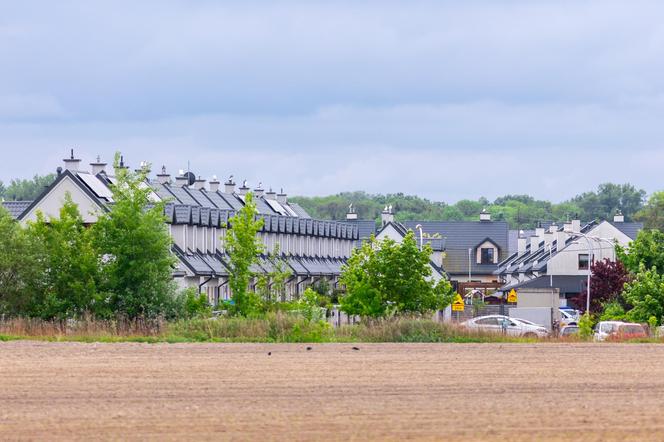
(271, 286)
(647, 250)
(3, 189)
(71, 263)
(27, 190)
(609, 198)
(652, 213)
(646, 294)
(384, 276)
(21, 271)
(243, 247)
(133, 240)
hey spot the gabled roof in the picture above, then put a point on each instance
(631, 229)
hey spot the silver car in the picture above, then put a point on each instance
(506, 325)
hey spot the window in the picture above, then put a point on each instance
(584, 263)
(487, 321)
(486, 255)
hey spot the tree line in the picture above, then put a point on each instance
(520, 211)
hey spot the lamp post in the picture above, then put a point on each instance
(419, 228)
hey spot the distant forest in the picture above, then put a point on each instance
(520, 211)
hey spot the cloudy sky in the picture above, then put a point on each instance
(444, 99)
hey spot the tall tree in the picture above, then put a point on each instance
(609, 198)
(647, 250)
(383, 276)
(243, 246)
(27, 190)
(652, 213)
(133, 239)
(646, 294)
(72, 266)
(20, 268)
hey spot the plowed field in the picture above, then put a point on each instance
(516, 392)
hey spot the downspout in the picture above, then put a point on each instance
(297, 286)
(200, 286)
(219, 290)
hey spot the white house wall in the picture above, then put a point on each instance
(51, 204)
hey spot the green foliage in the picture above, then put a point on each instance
(613, 311)
(586, 326)
(647, 250)
(21, 271)
(652, 213)
(271, 286)
(520, 211)
(133, 241)
(243, 246)
(310, 307)
(72, 271)
(646, 294)
(652, 322)
(25, 190)
(196, 304)
(382, 277)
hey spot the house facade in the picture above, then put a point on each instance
(197, 214)
(560, 256)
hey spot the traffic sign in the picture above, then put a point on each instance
(511, 296)
(457, 305)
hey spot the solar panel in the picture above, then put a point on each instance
(97, 187)
(277, 207)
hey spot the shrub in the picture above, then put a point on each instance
(586, 326)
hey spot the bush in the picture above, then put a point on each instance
(586, 326)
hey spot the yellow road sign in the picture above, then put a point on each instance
(511, 296)
(457, 304)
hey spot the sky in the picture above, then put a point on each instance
(443, 99)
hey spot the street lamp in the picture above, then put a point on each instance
(419, 227)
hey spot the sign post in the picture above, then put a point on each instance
(458, 305)
(512, 297)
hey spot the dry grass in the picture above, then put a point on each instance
(80, 329)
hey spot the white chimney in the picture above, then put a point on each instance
(282, 197)
(270, 195)
(258, 191)
(539, 232)
(485, 216)
(71, 163)
(214, 184)
(97, 167)
(561, 237)
(163, 177)
(351, 215)
(181, 180)
(199, 183)
(553, 228)
(229, 186)
(521, 243)
(618, 217)
(244, 189)
(534, 243)
(567, 227)
(387, 216)
(576, 225)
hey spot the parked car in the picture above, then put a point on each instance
(618, 331)
(569, 330)
(568, 317)
(507, 325)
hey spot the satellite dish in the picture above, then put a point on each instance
(191, 178)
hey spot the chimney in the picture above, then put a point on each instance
(270, 195)
(282, 197)
(244, 189)
(214, 184)
(387, 216)
(553, 228)
(229, 186)
(199, 183)
(534, 243)
(181, 180)
(521, 245)
(484, 215)
(163, 177)
(122, 165)
(72, 163)
(618, 217)
(539, 232)
(561, 237)
(351, 215)
(97, 167)
(143, 166)
(576, 225)
(258, 191)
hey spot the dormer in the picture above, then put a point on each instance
(487, 252)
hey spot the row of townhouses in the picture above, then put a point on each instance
(482, 256)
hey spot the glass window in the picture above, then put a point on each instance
(584, 263)
(486, 255)
(487, 321)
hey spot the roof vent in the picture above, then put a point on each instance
(97, 166)
(72, 163)
(618, 217)
(485, 216)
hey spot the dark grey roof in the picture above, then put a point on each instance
(16, 208)
(568, 284)
(629, 229)
(299, 210)
(459, 236)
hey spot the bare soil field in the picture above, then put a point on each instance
(517, 392)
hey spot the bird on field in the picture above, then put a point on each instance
(269, 353)
(356, 348)
(309, 348)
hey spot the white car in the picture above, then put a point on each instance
(567, 318)
(507, 325)
(618, 331)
